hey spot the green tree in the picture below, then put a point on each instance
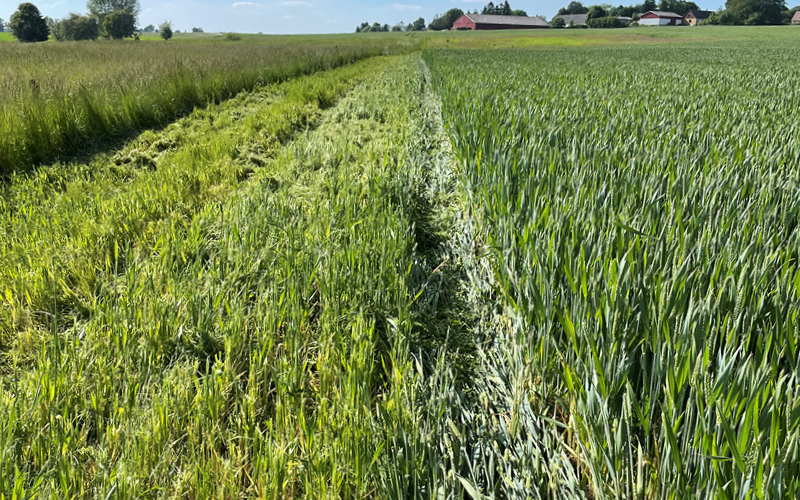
(75, 28)
(197, 30)
(595, 12)
(165, 30)
(753, 12)
(573, 8)
(558, 22)
(418, 25)
(677, 6)
(28, 25)
(101, 8)
(118, 25)
(519, 12)
(446, 20)
(504, 9)
(149, 28)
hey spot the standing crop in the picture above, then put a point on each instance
(641, 212)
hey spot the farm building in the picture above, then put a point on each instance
(695, 17)
(575, 19)
(488, 22)
(796, 18)
(659, 18)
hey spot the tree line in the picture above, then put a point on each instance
(112, 19)
(735, 11)
(442, 21)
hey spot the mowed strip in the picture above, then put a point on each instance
(66, 227)
(259, 348)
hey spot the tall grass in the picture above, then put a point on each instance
(640, 212)
(59, 99)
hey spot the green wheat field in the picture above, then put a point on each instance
(510, 265)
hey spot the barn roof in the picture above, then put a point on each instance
(514, 20)
(659, 13)
(698, 14)
(796, 18)
(575, 18)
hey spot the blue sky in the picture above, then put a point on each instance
(295, 16)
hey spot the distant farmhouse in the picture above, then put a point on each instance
(695, 17)
(573, 19)
(659, 18)
(491, 22)
(796, 18)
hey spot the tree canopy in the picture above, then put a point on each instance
(165, 30)
(503, 9)
(28, 25)
(596, 11)
(446, 20)
(100, 8)
(573, 8)
(75, 28)
(118, 25)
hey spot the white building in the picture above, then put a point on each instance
(659, 18)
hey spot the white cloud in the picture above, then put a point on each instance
(245, 4)
(402, 6)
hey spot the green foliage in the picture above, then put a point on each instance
(197, 30)
(519, 12)
(446, 20)
(75, 28)
(558, 22)
(573, 8)
(149, 29)
(605, 22)
(101, 8)
(165, 30)
(503, 9)
(677, 6)
(373, 28)
(232, 37)
(751, 12)
(418, 25)
(118, 25)
(28, 25)
(596, 11)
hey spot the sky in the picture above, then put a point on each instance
(297, 16)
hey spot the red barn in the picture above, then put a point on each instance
(487, 22)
